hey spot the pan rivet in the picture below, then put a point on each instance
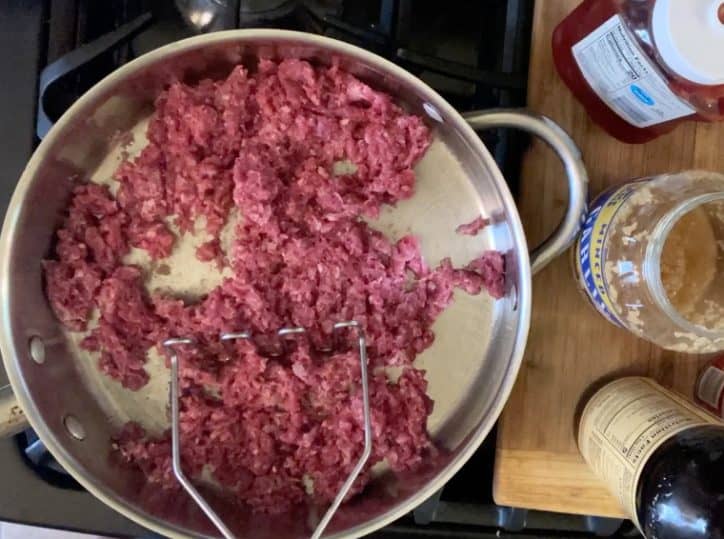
(74, 427)
(37, 350)
(432, 112)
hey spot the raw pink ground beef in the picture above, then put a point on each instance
(473, 227)
(266, 143)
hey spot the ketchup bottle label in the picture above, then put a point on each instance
(624, 78)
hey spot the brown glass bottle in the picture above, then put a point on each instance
(680, 494)
(661, 456)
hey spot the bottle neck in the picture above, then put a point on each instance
(653, 265)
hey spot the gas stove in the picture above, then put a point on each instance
(474, 53)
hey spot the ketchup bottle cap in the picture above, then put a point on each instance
(689, 37)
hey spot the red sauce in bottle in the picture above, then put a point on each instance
(706, 102)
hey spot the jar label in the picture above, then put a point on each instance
(623, 76)
(623, 425)
(590, 247)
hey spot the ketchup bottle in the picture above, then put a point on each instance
(641, 67)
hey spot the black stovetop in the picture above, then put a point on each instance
(474, 53)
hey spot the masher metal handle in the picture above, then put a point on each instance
(367, 451)
(174, 392)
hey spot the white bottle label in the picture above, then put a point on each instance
(621, 427)
(625, 78)
(711, 386)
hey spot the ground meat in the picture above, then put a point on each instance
(71, 291)
(490, 268)
(473, 227)
(485, 272)
(269, 144)
(127, 328)
(211, 251)
(90, 246)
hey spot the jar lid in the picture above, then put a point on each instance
(689, 37)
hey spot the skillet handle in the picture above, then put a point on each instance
(12, 418)
(561, 143)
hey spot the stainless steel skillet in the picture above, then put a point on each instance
(75, 410)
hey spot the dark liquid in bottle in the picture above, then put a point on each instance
(681, 491)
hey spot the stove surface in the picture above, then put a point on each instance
(474, 53)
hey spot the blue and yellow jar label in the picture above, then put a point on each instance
(590, 248)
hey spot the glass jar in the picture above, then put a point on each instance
(641, 67)
(651, 259)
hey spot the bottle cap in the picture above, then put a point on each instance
(689, 37)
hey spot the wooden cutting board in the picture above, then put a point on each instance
(570, 346)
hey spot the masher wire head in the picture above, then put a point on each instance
(172, 344)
